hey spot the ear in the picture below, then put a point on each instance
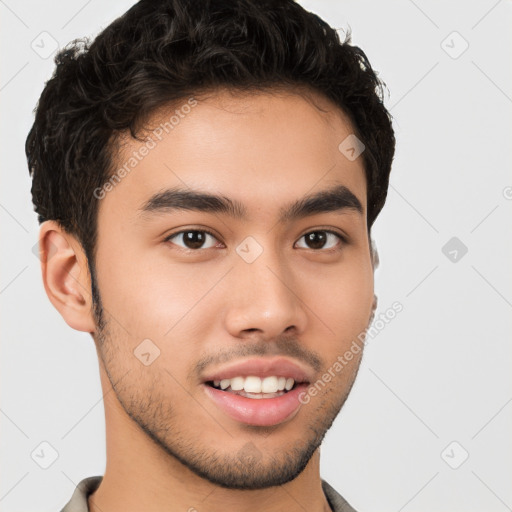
(66, 276)
(375, 263)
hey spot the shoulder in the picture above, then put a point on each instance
(78, 501)
(336, 501)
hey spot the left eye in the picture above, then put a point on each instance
(318, 239)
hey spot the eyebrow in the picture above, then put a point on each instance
(337, 199)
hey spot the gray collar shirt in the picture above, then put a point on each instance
(78, 501)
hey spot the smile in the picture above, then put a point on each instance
(255, 387)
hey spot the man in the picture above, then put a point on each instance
(206, 176)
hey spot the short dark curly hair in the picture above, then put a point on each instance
(161, 51)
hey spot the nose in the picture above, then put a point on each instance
(264, 297)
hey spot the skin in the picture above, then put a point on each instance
(168, 445)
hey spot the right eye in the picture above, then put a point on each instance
(192, 239)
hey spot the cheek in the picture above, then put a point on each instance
(341, 297)
(355, 297)
(155, 297)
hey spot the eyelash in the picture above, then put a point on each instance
(342, 239)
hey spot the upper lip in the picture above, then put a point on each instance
(261, 367)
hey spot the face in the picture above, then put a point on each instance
(206, 299)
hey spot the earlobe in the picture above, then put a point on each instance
(374, 307)
(374, 254)
(65, 275)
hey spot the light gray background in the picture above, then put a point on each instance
(438, 373)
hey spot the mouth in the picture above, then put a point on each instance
(260, 392)
(264, 400)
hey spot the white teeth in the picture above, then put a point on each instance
(259, 396)
(237, 384)
(269, 385)
(252, 384)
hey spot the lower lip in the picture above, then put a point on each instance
(262, 412)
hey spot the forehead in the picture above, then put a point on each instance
(261, 149)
